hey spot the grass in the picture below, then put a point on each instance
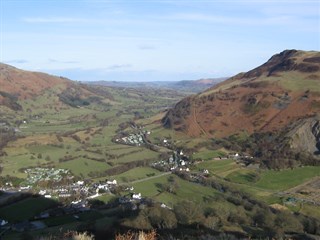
(310, 210)
(143, 154)
(269, 182)
(185, 190)
(105, 222)
(106, 198)
(136, 173)
(46, 116)
(26, 209)
(285, 179)
(38, 139)
(60, 220)
(89, 215)
(208, 155)
(245, 176)
(82, 166)
(295, 81)
(219, 167)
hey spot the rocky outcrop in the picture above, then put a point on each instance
(305, 136)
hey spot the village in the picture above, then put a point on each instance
(78, 195)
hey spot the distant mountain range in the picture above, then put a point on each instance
(189, 86)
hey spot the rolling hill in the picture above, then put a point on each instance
(25, 84)
(266, 99)
(188, 86)
(17, 85)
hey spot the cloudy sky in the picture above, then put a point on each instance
(147, 40)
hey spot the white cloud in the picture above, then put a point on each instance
(118, 66)
(17, 61)
(59, 61)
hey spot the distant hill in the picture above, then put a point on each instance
(17, 84)
(25, 84)
(189, 86)
(266, 99)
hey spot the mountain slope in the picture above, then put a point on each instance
(17, 85)
(25, 84)
(267, 98)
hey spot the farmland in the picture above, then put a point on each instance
(79, 139)
(118, 139)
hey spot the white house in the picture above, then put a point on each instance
(114, 182)
(80, 183)
(136, 196)
(42, 192)
(129, 189)
(103, 186)
(3, 222)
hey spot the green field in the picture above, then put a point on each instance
(26, 209)
(292, 81)
(220, 168)
(136, 174)
(46, 118)
(184, 190)
(282, 180)
(208, 155)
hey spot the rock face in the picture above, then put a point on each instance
(305, 136)
(266, 99)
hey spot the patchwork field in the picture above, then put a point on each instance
(53, 134)
(86, 141)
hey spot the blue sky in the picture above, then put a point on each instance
(153, 40)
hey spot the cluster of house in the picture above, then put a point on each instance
(135, 139)
(133, 201)
(76, 190)
(80, 190)
(166, 143)
(45, 174)
(6, 128)
(177, 161)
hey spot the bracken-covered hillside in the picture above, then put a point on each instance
(266, 99)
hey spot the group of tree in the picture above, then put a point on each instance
(252, 220)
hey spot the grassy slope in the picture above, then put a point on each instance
(136, 174)
(25, 209)
(185, 190)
